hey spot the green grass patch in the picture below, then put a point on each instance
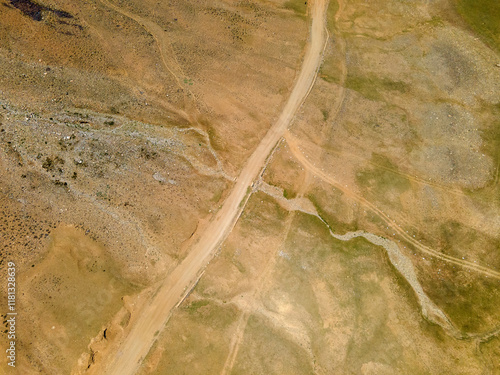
(329, 71)
(459, 240)
(262, 215)
(245, 198)
(217, 196)
(239, 265)
(194, 306)
(215, 140)
(289, 194)
(483, 16)
(332, 10)
(330, 208)
(471, 301)
(372, 87)
(298, 6)
(382, 180)
(210, 314)
(491, 135)
(279, 182)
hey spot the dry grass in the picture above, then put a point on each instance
(123, 125)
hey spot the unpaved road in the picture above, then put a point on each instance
(135, 346)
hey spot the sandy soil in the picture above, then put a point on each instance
(261, 187)
(138, 342)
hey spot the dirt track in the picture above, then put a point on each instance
(128, 356)
(304, 160)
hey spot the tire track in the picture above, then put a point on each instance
(292, 138)
(389, 222)
(126, 356)
(171, 64)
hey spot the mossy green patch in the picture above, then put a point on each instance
(330, 70)
(490, 350)
(483, 16)
(213, 315)
(332, 209)
(284, 172)
(382, 180)
(298, 6)
(325, 114)
(333, 7)
(459, 240)
(262, 214)
(471, 301)
(215, 140)
(289, 194)
(491, 137)
(217, 196)
(195, 305)
(373, 87)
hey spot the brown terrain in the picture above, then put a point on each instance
(251, 187)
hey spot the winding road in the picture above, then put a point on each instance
(126, 358)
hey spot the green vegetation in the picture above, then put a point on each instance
(331, 208)
(238, 265)
(460, 240)
(330, 70)
(382, 180)
(325, 114)
(262, 214)
(298, 6)
(212, 314)
(217, 196)
(245, 198)
(483, 16)
(285, 173)
(215, 140)
(281, 181)
(195, 305)
(372, 87)
(491, 135)
(289, 194)
(333, 7)
(471, 301)
(435, 21)
(103, 194)
(489, 195)
(490, 348)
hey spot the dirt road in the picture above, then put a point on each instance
(140, 338)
